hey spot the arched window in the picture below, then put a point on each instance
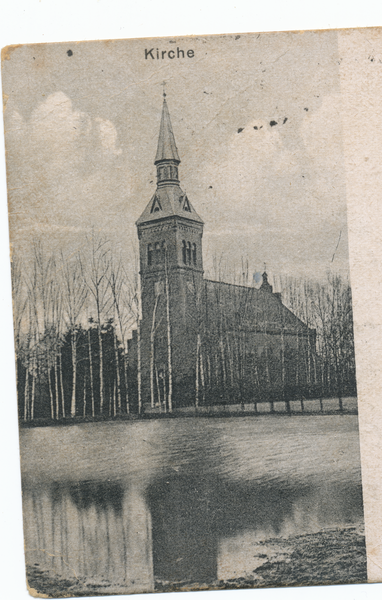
(149, 255)
(163, 252)
(184, 252)
(157, 252)
(189, 253)
(194, 254)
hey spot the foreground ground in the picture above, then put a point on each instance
(328, 557)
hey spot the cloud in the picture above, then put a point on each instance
(66, 170)
(108, 136)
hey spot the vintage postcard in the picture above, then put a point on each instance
(187, 383)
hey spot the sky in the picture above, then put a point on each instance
(257, 122)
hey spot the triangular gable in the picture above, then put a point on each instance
(186, 205)
(168, 201)
(156, 205)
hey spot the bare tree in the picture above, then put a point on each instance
(97, 281)
(40, 296)
(131, 300)
(154, 327)
(123, 320)
(75, 292)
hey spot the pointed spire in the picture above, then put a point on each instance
(167, 149)
(169, 200)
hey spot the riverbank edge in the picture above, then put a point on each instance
(329, 557)
(223, 414)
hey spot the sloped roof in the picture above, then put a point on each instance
(167, 149)
(168, 201)
(248, 308)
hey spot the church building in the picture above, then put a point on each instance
(203, 342)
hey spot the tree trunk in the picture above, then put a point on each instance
(164, 393)
(209, 375)
(257, 384)
(139, 366)
(84, 399)
(152, 351)
(115, 400)
(62, 386)
(314, 359)
(287, 404)
(197, 371)
(73, 339)
(158, 389)
(101, 384)
(50, 392)
(309, 363)
(33, 394)
(230, 360)
(339, 386)
(202, 380)
(223, 368)
(119, 403)
(127, 400)
(91, 372)
(26, 395)
(169, 349)
(56, 387)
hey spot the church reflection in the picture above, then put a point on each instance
(174, 530)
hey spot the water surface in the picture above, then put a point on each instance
(183, 500)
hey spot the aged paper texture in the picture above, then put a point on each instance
(182, 212)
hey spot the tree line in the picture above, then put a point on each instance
(72, 317)
(74, 314)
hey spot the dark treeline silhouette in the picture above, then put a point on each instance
(73, 317)
(52, 393)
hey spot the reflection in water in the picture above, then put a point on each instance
(197, 516)
(97, 530)
(194, 521)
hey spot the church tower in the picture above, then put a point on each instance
(171, 270)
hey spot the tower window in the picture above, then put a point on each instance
(194, 254)
(149, 255)
(184, 252)
(163, 252)
(189, 253)
(157, 252)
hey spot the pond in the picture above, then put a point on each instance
(133, 506)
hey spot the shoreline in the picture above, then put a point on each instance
(221, 414)
(329, 557)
